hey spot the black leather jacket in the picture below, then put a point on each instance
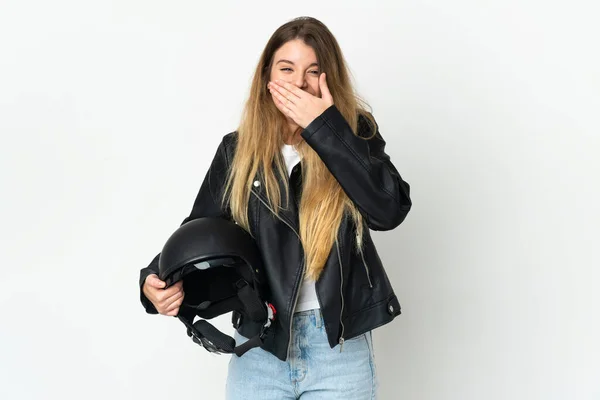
(354, 291)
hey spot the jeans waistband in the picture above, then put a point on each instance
(316, 312)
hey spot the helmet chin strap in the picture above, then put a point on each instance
(206, 335)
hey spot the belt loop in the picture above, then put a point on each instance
(317, 312)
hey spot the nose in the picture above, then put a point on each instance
(299, 79)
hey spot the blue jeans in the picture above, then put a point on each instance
(313, 371)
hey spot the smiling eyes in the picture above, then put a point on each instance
(316, 72)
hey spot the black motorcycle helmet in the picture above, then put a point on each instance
(222, 271)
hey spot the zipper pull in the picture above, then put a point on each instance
(341, 344)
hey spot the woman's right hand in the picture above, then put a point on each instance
(166, 301)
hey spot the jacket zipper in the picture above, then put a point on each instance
(292, 312)
(366, 268)
(284, 221)
(301, 274)
(341, 341)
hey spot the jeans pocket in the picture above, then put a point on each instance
(358, 338)
(369, 337)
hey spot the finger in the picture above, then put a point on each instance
(325, 93)
(284, 108)
(323, 84)
(171, 299)
(177, 284)
(165, 294)
(174, 287)
(280, 93)
(174, 305)
(322, 80)
(173, 313)
(284, 102)
(292, 89)
(153, 281)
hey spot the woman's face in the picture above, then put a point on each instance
(296, 63)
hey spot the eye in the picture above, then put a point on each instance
(314, 72)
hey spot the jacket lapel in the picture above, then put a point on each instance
(288, 210)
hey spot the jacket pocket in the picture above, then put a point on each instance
(367, 270)
(364, 262)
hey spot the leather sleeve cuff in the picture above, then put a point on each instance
(148, 306)
(318, 122)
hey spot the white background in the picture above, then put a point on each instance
(111, 111)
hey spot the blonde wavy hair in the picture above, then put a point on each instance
(260, 139)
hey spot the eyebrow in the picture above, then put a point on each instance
(289, 62)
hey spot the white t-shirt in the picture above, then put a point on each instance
(307, 298)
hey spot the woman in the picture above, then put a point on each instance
(307, 175)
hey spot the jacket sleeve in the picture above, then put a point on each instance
(362, 168)
(207, 204)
